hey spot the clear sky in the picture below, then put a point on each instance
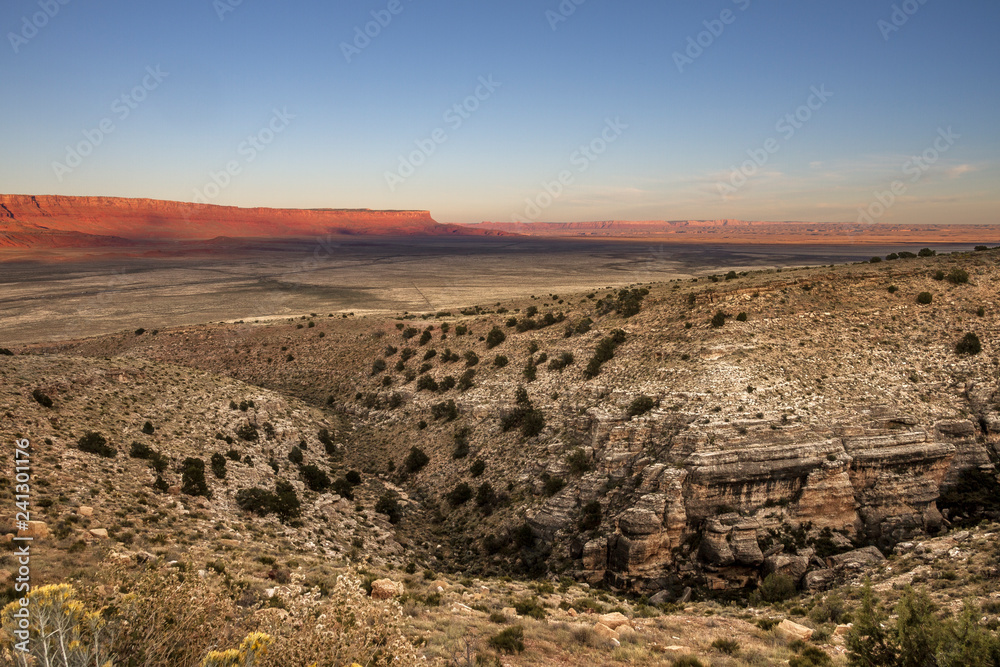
(681, 106)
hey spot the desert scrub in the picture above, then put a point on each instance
(345, 627)
(57, 632)
(253, 645)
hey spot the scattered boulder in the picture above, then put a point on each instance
(604, 632)
(99, 532)
(818, 580)
(794, 630)
(509, 613)
(85, 510)
(383, 589)
(856, 559)
(842, 630)
(614, 619)
(793, 566)
(659, 598)
(37, 530)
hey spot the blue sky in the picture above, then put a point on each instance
(673, 129)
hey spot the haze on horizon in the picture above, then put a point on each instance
(819, 107)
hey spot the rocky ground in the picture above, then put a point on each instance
(832, 425)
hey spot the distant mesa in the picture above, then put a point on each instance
(752, 231)
(45, 221)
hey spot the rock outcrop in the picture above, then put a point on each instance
(57, 221)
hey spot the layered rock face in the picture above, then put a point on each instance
(753, 231)
(52, 221)
(732, 502)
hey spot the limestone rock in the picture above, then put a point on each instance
(787, 564)
(604, 632)
(818, 580)
(383, 589)
(614, 619)
(99, 532)
(794, 630)
(85, 510)
(857, 558)
(36, 530)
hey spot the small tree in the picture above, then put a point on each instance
(871, 643)
(719, 319)
(969, 345)
(925, 298)
(218, 465)
(958, 276)
(416, 460)
(388, 504)
(495, 337)
(193, 478)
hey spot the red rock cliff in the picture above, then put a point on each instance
(27, 221)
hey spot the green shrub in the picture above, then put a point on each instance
(426, 382)
(510, 640)
(378, 366)
(578, 461)
(938, 275)
(41, 398)
(471, 358)
(461, 494)
(461, 443)
(478, 468)
(969, 345)
(687, 661)
(605, 352)
(893, 289)
(95, 443)
(958, 276)
(925, 298)
(775, 588)
(810, 656)
(286, 505)
(256, 500)
(500, 361)
(193, 478)
(495, 337)
(343, 488)
(416, 460)
(719, 319)
(315, 479)
(551, 485)
(640, 405)
(353, 477)
(561, 361)
(219, 465)
(388, 504)
(925, 252)
(248, 432)
(874, 260)
(530, 608)
(446, 410)
(742, 317)
(726, 645)
(465, 382)
(140, 451)
(295, 456)
(485, 495)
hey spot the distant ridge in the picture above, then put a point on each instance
(752, 231)
(51, 221)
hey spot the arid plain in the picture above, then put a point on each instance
(64, 293)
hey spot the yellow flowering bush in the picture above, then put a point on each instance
(53, 630)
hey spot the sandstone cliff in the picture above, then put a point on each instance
(49, 221)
